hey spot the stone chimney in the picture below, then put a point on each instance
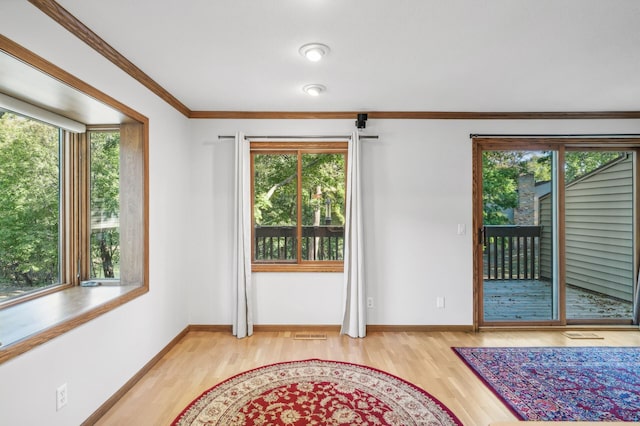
(524, 214)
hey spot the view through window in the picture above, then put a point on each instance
(33, 243)
(526, 275)
(30, 242)
(298, 204)
(105, 204)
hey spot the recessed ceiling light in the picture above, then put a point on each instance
(314, 51)
(314, 89)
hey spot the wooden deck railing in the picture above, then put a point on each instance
(511, 252)
(274, 243)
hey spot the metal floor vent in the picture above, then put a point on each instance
(310, 336)
(581, 335)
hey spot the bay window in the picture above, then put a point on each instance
(43, 173)
(73, 202)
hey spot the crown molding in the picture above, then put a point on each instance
(419, 115)
(26, 56)
(326, 115)
(77, 28)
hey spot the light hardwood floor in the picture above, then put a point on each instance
(202, 359)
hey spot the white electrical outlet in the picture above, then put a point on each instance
(61, 396)
(440, 302)
(369, 302)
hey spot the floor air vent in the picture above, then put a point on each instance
(581, 335)
(310, 336)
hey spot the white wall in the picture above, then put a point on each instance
(96, 359)
(417, 188)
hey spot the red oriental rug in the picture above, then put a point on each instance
(315, 392)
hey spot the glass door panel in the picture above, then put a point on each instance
(599, 243)
(519, 236)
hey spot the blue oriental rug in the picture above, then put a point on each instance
(562, 383)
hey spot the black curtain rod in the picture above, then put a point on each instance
(299, 137)
(559, 136)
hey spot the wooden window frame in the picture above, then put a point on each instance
(298, 148)
(74, 206)
(49, 313)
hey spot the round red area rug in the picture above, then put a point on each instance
(315, 392)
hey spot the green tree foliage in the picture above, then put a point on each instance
(577, 164)
(324, 172)
(275, 188)
(29, 202)
(540, 166)
(105, 204)
(501, 169)
(580, 163)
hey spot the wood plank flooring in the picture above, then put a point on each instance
(202, 359)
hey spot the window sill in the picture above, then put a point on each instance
(294, 267)
(29, 324)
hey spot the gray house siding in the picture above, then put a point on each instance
(598, 231)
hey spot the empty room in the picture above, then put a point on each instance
(319, 212)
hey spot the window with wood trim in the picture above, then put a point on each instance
(30, 206)
(54, 208)
(298, 196)
(44, 171)
(558, 216)
(104, 204)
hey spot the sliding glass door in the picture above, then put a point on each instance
(519, 281)
(556, 237)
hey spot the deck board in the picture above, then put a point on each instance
(530, 300)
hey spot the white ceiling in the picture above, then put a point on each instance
(386, 55)
(28, 84)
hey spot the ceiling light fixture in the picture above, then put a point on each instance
(313, 89)
(314, 51)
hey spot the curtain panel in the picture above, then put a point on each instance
(242, 312)
(354, 309)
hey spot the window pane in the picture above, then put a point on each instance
(323, 195)
(599, 216)
(275, 207)
(520, 274)
(29, 205)
(105, 204)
